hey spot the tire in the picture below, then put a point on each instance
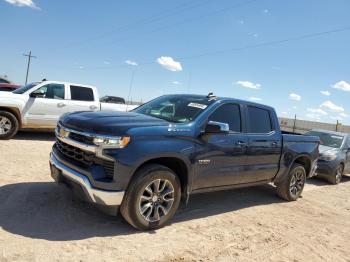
(8, 125)
(337, 175)
(291, 187)
(141, 203)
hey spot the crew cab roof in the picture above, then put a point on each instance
(225, 99)
(65, 83)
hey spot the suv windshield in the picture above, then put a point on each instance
(25, 88)
(327, 139)
(175, 108)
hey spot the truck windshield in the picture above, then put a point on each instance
(25, 88)
(327, 139)
(177, 109)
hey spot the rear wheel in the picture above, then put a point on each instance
(337, 175)
(152, 198)
(8, 125)
(292, 185)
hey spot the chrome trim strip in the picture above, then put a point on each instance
(98, 196)
(87, 133)
(82, 146)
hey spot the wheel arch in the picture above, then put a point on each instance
(15, 111)
(177, 165)
(305, 161)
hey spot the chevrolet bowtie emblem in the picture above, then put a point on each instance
(63, 133)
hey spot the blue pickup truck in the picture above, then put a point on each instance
(145, 162)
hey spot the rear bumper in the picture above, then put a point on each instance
(65, 174)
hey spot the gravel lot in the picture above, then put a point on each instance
(40, 221)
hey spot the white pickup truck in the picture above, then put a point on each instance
(39, 105)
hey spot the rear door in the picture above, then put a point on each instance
(83, 98)
(264, 144)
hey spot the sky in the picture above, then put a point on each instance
(291, 54)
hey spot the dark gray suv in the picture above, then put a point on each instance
(334, 159)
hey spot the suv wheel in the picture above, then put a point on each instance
(8, 125)
(337, 175)
(152, 198)
(293, 184)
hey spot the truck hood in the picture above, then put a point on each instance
(109, 122)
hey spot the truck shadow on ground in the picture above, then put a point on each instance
(44, 210)
(35, 136)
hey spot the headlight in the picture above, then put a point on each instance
(116, 142)
(328, 156)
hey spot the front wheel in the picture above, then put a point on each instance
(337, 175)
(292, 185)
(8, 125)
(152, 198)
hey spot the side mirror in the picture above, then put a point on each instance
(217, 127)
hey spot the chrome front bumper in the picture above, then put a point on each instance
(97, 196)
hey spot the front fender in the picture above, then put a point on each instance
(142, 150)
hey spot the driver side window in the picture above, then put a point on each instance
(50, 91)
(228, 114)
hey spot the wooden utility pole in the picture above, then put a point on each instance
(28, 65)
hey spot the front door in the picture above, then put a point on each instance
(45, 105)
(221, 157)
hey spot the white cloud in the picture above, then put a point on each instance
(169, 63)
(240, 22)
(284, 113)
(317, 111)
(325, 93)
(81, 67)
(255, 35)
(294, 107)
(21, 3)
(176, 83)
(107, 62)
(342, 85)
(332, 107)
(130, 62)
(265, 11)
(343, 115)
(253, 98)
(248, 84)
(294, 97)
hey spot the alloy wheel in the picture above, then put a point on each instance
(5, 125)
(156, 200)
(297, 183)
(338, 174)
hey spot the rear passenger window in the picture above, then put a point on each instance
(81, 93)
(259, 120)
(229, 114)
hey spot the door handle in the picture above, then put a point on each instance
(93, 107)
(241, 143)
(274, 143)
(61, 104)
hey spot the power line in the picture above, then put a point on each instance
(184, 21)
(144, 21)
(222, 51)
(28, 65)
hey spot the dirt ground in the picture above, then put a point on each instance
(40, 221)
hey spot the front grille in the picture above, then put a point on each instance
(84, 159)
(81, 138)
